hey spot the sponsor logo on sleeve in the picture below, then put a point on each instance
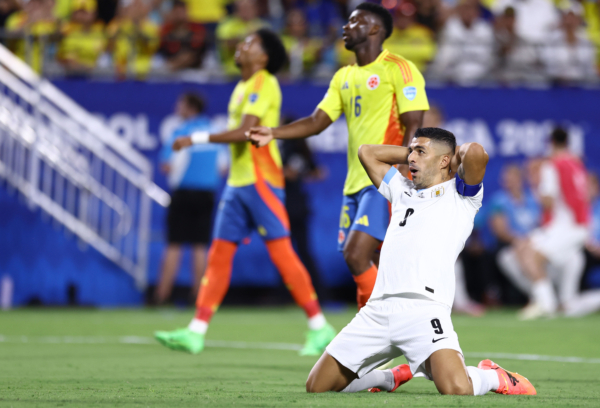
(410, 92)
(373, 82)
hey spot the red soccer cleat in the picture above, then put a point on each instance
(402, 375)
(510, 383)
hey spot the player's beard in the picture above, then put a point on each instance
(424, 179)
(351, 44)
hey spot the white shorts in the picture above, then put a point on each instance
(389, 328)
(559, 242)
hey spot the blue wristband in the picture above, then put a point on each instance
(465, 189)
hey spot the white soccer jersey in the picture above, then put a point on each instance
(427, 232)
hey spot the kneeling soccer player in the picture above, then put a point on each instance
(409, 311)
(253, 199)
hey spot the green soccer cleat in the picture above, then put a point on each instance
(317, 340)
(182, 340)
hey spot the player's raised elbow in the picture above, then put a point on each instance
(476, 153)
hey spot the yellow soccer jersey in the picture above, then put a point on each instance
(373, 97)
(259, 96)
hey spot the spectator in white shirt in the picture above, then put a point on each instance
(569, 55)
(534, 18)
(466, 46)
(518, 59)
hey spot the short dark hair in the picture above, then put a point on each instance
(559, 136)
(273, 47)
(194, 100)
(382, 13)
(439, 135)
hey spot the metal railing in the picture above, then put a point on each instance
(69, 164)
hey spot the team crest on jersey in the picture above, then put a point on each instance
(341, 236)
(345, 85)
(373, 82)
(253, 97)
(438, 192)
(410, 92)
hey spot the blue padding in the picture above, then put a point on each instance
(464, 189)
(389, 175)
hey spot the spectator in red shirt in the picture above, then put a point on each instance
(183, 43)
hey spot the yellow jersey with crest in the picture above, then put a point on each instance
(373, 97)
(259, 96)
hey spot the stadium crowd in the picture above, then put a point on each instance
(465, 42)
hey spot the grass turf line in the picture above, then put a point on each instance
(142, 375)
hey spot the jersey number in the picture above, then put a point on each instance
(437, 326)
(409, 212)
(357, 107)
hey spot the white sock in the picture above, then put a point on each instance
(198, 326)
(543, 294)
(382, 379)
(317, 322)
(483, 381)
(586, 303)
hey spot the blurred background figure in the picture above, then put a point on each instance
(193, 177)
(592, 247)
(304, 52)
(299, 167)
(206, 12)
(466, 46)
(433, 13)
(554, 252)
(133, 39)
(410, 39)
(518, 59)
(82, 39)
(570, 56)
(7, 7)
(31, 30)
(183, 43)
(534, 19)
(514, 214)
(233, 29)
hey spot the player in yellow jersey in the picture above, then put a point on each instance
(252, 200)
(383, 98)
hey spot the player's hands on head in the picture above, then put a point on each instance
(182, 142)
(259, 136)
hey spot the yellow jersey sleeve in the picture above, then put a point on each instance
(259, 94)
(332, 102)
(409, 87)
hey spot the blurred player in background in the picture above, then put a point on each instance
(554, 252)
(193, 177)
(253, 199)
(409, 311)
(383, 98)
(515, 213)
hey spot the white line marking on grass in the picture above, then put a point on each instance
(260, 346)
(535, 357)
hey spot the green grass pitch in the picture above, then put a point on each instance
(106, 358)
